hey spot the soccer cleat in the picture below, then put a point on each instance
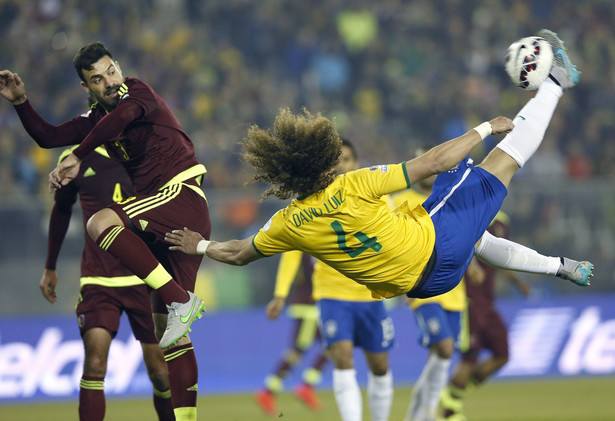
(575, 272)
(265, 399)
(306, 394)
(563, 71)
(449, 403)
(181, 316)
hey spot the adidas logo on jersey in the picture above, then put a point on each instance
(89, 172)
(143, 224)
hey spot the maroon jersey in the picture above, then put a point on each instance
(141, 132)
(101, 181)
(302, 286)
(484, 292)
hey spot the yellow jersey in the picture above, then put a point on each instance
(350, 228)
(326, 281)
(455, 299)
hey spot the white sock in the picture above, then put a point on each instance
(347, 394)
(380, 395)
(416, 401)
(505, 254)
(531, 123)
(427, 389)
(436, 382)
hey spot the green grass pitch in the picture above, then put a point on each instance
(587, 399)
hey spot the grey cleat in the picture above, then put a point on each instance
(575, 272)
(181, 316)
(563, 71)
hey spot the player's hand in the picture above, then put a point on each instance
(48, 285)
(274, 308)
(183, 240)
(64, 173)
(501, 125)
(12, 87)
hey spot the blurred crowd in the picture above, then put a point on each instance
(395, 74)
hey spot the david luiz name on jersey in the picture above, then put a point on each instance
(308, 214)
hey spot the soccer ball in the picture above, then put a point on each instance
(528, 62)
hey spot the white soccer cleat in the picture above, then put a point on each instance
(181, 316)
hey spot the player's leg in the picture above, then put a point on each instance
(99, 316)
(375, 334)
(189, 209)
(453, 396)
(337, 327)
(312, 377)
(302, 337)
(96, 342)
(439, 330)
(506, 254)
(107, 228)
(379, 385)
(307, 338)
(345, 386)
(159, 376)
(532, 121)
(136, 304)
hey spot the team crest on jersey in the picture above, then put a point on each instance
(143, 224)
(383, 168)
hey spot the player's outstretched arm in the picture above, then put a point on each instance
(233, 252)
(12, 87)
(446, 155)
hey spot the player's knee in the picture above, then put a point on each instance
(445, 348)
(95, 366)
(100, 221)
(158, 375)
(380, 368)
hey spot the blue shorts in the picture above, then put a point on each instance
(365, 323)
(436, 324)
(462, 204)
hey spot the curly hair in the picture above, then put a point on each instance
(297, 158)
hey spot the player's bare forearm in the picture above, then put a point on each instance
(233, 252)
(446, 155)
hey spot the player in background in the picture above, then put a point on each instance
(139, 130)
(107, 287)
(344, 222)
(438, 321)
(487, 331)
(349, 316)
(305, 332)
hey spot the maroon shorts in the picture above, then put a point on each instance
(487, 331)
(101, 306)
(152, 216)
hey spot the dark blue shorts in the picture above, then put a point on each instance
(462, 204)
(436, 324)
(365, 323)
